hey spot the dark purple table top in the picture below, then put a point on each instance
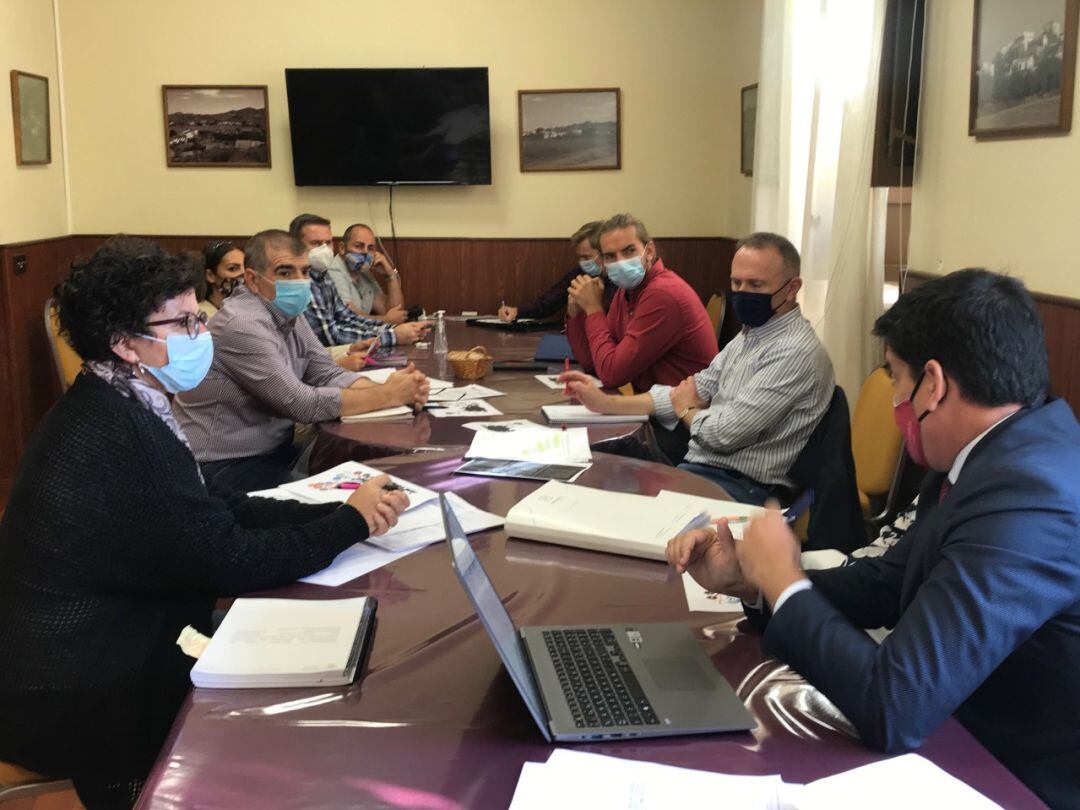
(359, 441)
(435, 721)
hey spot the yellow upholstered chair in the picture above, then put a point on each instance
(627, 390)
(17, 782)
(716, 311)
(875, 443)
(67, 362)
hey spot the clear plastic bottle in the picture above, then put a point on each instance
(440, 333)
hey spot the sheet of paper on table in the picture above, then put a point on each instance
(548, 445)
(472, 391)
(466, 408)
(338, 483)
(504, 426)
(737, 513)
(579, 414)
(550, 380)
(700, 600)
(381, 375)
(401, 412)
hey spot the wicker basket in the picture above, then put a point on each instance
(472, 364)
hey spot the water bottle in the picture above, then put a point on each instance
(440, 332)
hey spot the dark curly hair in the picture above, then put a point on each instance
(113, 293)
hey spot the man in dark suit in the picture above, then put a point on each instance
(983, 592)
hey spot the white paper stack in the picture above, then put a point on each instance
(400, 412)
(541, 444)
(579, 414)
(286, 642)
(338, 483)
(381, 375)
(473, 391)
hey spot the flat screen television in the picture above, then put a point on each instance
(371, 126)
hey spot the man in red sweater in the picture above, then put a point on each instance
(656, 331)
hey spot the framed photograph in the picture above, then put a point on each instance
(749, 129)
(30, 114)
(216, 125)
(1023, 66)
(569, 130)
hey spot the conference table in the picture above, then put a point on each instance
(524, 395)
(435, 722)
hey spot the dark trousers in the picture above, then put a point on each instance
(253, 472)
(672, 443)
(738, 486)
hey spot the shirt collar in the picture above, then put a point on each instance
(281, 323)
(776, 324)
(962, 456)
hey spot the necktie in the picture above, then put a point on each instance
(946, 485)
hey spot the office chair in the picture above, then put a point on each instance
(17, 782)
(876, 446)
(716, 307)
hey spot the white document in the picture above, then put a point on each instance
(381, 375)
(600, 520)
(548, 445)
(551, 381)
(700, 600)
(283, 642)
(399, 412)
(737, 514)
(579, 414)
(505, 426)
(355, 561)
(338, 483)
(465, 408)
(464, 392)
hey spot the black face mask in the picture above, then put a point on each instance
(227, 285)
(754, 309)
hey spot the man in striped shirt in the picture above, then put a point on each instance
(750, 413)
(270, 371)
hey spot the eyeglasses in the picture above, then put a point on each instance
(192, 322)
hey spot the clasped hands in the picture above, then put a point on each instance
(765, 561)
(586, 294)
(685, 397)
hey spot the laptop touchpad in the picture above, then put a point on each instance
(677, 674)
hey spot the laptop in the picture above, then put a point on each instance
(602, 682)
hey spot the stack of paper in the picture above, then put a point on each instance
(737, 514)
(539, 444)
(286, 642)
(338, 483)
(399, 412)
(579, 414)
(451, 394)
(381, 375)
(467, 407)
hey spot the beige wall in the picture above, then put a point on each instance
(32, 198)
(1011, 205)
(679, 100)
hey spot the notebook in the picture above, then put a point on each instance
(579, 414)
(287, 642)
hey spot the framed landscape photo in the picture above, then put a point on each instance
(30, 114)
(1023, 67)
(748, 129)
(216, 125)
(569, 130)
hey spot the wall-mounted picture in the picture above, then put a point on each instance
(30, 114)
(569, 130)
(220, 125)
(1023, 65)
(749, 129)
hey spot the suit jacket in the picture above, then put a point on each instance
(984, 594)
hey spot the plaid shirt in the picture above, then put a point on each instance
(334, 323)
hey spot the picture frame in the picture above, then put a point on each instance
(222, 125)
(1023, 68)
(747, 128)
(570, 130)
(30, 116)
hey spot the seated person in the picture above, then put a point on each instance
(333, 322)
(750, 413)
(270, 372)
(656, 331)
(983, 591)
(111, 543)
(586, 245)
(353, 271)
(223, 271)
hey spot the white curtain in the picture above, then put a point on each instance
(817, 96)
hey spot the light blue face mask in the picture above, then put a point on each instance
(590, 266)
(189, 360)
(291, 297)
(626, 274)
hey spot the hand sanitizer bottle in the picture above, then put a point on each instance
(440, 332)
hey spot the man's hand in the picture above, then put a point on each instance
(685, 395)
(395, 315)
(355, 361)
(769, 554)
(362, 346)
(408, 387)
(379, 508)
(588, 294)
(408, 333)
(507, 314)
(584, 391)
(381, 264)
(572, 309)
(709, 555)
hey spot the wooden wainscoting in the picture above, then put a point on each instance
(454, 274)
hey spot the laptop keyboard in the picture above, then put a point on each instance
(596, 678)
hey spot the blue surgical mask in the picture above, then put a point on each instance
(590, 266)
(626, 274)
(291, 297)
(358, 261)
(189, 360)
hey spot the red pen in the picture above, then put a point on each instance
(566, 368)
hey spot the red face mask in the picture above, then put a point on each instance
(908, 422)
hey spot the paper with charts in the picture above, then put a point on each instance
(465, 408)
(541, 444)
(338, 483)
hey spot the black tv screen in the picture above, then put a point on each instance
(367, 126)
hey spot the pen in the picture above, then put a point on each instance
(734, 519)
(566, 368)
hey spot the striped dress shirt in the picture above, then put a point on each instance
(767, 390)
(269, 372)
(334, 323)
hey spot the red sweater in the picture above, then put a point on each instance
(656, 333)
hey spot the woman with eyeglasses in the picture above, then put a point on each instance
(111, 544)
(223, 272)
